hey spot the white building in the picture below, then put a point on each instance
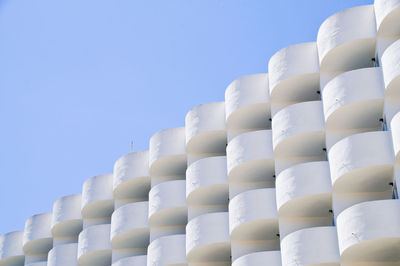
(297, 167)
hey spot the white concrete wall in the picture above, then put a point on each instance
(297, 167)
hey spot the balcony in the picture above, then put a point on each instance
(250, 160)
(132, 261)
(273, 258)
(37, 239)
(354, 100)
(299, 130)
(247, 105)
(131, 179)
(207, 238)
(391, 71)
(207, 188)
(311, 246)
(395, 130)
(253, 229)
(345, 43)
(11, 249)
(167, 208)
(206, 131)
(387, 14)
(370, 232)
(63, 255)
(130, 227)
(97, 200)
(167, 155)
(167, 250)
(94, 246)
(294, 74)
(67, 219)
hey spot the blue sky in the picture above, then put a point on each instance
(80, 79)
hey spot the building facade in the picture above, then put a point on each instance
(299, 166)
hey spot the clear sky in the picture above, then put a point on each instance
(80, 79)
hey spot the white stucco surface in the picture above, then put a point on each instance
(94, 246)
(130, 226)
(167, 250)
(387, 17)
(311, 246)
(395, 130)
(131, 176)
(294, 73)
(37, 236)
(63, 255)
(247, 104)
(132, 261)
(67, 218)
(273, 258)
(97, 197)
(345, 43)
(11, 253)
(391, 68)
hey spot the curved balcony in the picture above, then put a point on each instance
(131, 178)
(370, 232)
(354, 100)
(395, 130)
(387, 14)
(167, 204)
(294, 73)
(67, 218)
(299, 130)
(40, 263)
(345, 43)
(205, 129)
(362, 163)
(167, 153)
(207, 238)
(132, 261)
(247, 104)
(167, 250)
(97, 197)
(302, 194)
(391, 71)
(273, 258)
(311, 246)
(129, 226)
(207, 182)
(11, 249)
(94, 246)
(63, 255)
(37, 236)
(249, 223)
(250, 158)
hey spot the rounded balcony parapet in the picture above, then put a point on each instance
(131, 176)
(354, 99)
(129, 226)
(294, 73)
(132, 261)
(301, 186)
(205, 129)
(273, 258)
(63, 255)
(345, 43)
(207, 181)
(299, 130)
(94, 246)
(370, 231)
(249, 223)
(362, 162)
(37, 235)
(67, 217)
(247, 103)
(167, 250)
(40, 263)
(250, 157)
(167, 204)
(167, 153)
(97, 197)
(311, 246)
(391, 71)
(387, 13)
(11, 252)
(207, 238)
